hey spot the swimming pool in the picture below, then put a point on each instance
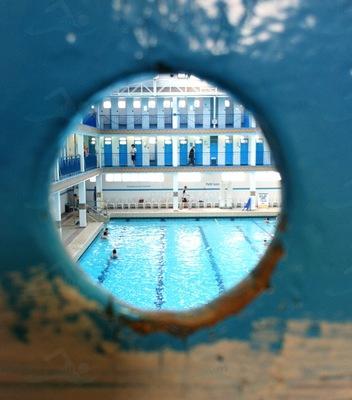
(176, 264)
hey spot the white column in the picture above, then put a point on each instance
(222, 194)
(175, 191)
(237, 115)
(99, 189)
(252, 149)
(160, 150)
(221, 112)
(146, 150)
(252, 190)
(252, 121)
(82, 204)
(206, 151)
(175, 115)
(114, 147)
(114, 113)
(56, 210)
(80, 150)
(214, 112)
(160, 113)
(145, 113)
(129, 113)
(175, 152)
(98, 117)
(267, 153)
(190, 114)
(229, 195)
(221, 149)
(99, 146)
(236, 149)
(206, 112)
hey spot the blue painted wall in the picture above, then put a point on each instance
(297, 81)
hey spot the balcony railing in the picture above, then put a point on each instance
(70, 165)
(181, 120)
(162, 159)
(90, 161)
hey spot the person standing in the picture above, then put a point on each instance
(133, 153)
(191, 156)
(184, 197)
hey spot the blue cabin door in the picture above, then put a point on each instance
(107, 153)
(259, 153)
(168, 154)
(213, 150)
(228, 153)
(245, 121)
(139, 153)
(183, 153)
(199, 153)
(123, 153)
(244, 153)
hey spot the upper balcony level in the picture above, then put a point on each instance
(167, 156)
(170, 101)
(170, 121)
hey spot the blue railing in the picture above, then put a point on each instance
(138, 120)
(90, 161)
(161, 159)
(69, 165)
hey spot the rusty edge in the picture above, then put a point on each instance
(231, 302)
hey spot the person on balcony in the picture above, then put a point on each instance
(133, 153)
(191, 156)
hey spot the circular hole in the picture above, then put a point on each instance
(167, 196)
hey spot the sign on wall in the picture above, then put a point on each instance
(263, 199)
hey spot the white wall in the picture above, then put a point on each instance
(208, 189)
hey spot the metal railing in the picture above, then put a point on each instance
(69, 165)
(139, 120)
(98, 215)
(90, 161)
(165, 158)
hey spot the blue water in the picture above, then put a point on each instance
(176, 264)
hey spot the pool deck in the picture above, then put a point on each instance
(82, 241)
(76, 239)
(193, 212)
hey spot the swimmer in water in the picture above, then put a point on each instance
(114, 254)
(105, 235)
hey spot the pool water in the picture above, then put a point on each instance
(176, 264)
